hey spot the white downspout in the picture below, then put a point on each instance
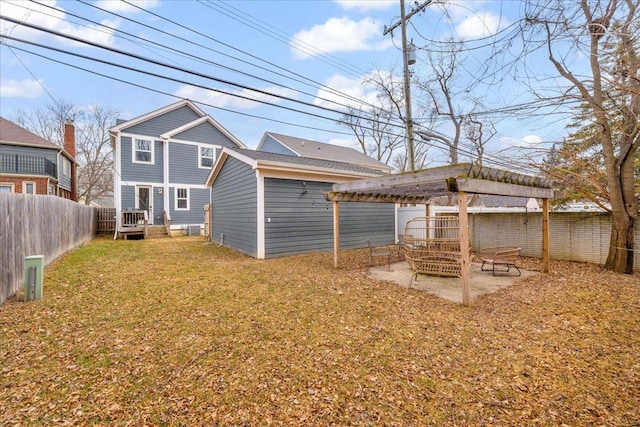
(117, 202)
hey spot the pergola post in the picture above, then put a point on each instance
(465, 266)
(545, 235)
(336, 233)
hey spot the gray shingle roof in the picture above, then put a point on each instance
(321, 150)
(305, 161)
(11, 133)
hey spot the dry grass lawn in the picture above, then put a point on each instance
(177, 332)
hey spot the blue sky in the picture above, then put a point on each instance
(294, 49)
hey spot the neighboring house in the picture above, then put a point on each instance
(268, 204)
(162, 160)
(31, 164)
(292, 146)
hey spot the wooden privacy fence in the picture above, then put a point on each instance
(38, 225)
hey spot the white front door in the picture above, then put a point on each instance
(144, 200)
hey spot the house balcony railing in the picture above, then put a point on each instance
(14, 163)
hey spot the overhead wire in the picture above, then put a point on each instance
(440, 147)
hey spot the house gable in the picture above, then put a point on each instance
(204, 130)
(158, 125)
(271, 145)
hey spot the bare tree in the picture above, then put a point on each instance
(380, 127)
(93, 151)
(441, 89)
(607, 34)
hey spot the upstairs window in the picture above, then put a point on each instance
(66, 166)
(142, 151)
(206, 157)
(182, 199)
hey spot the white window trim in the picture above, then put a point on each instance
(175, 198)
(200, 156)
(133, 151)
(24, 187)
(10, 185)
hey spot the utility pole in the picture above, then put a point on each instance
(407, 77)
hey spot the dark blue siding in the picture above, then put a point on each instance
(234, 207)
(140, 172)
(205, 133)
(164, 123)
(270, 145)
(298, 219)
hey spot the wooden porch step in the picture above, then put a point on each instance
(157, 232)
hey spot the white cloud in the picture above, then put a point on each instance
(481, 24)
(218, 99)
(54, 20)
(339, 35)
(122, 7)
(366, 5)
(21, 88)
(529, 141)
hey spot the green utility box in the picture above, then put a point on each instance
(33, 273)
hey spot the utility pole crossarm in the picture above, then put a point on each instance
(413, 12)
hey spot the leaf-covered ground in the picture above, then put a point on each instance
(177, 332)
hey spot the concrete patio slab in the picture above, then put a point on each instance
(450, 288)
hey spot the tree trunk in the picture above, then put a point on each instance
(621, 253)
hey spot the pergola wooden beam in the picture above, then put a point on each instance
(420, 187)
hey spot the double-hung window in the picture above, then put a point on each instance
(206, 157)
(142, 151)
(182, 198)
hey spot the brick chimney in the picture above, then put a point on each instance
(70, 147)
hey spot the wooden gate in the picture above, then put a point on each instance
(106, 220)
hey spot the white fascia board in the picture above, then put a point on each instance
(273, 168)
(260, 216)
(157, 113)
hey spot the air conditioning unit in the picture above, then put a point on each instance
(193, 230)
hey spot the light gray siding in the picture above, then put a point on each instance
(270, 145)
(164, 123)
(198, 197)
(206, 133)
(183, 165)
(140, 172)
(298, 219)
(234, 207)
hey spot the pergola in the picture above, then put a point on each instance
(420, 187)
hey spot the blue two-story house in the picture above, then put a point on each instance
(161, 162)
